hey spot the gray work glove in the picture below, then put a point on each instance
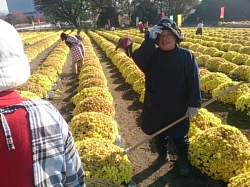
(155, 31)
(192, 111)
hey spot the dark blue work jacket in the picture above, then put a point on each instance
(172, 85)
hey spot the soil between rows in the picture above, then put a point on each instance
(128, 110)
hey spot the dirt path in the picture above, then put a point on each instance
(128, 110)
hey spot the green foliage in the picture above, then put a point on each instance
(64, 11)
(209, 10)
(146, 11)
(101, 10)
(108, 13)
(151, 10)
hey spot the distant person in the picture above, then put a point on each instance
(77, 51)
(146, 25)
(94, 27)
(106, 26)
(141, 27)
(199, 28)
(146, 33)
(126, 25)
(123, 25)
(172, 89)
(125, 43)
(37, 147)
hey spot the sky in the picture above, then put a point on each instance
(3, 5)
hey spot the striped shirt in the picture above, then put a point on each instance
(56, 161)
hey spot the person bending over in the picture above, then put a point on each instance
(125, 43)
(77, 51)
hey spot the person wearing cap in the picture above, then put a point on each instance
(77, 51)
(37, 147)
(125, 43)
(172, 89)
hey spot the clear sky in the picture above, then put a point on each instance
(3, 5)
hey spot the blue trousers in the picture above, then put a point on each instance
(181, 144)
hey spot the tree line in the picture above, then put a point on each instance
(102, 11)
(209, 10)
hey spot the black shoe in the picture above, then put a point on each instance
(184, 166)
(160, 161)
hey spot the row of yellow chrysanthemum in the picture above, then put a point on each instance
(40, 84)
(94, 127)
(216, 64)
(39, 43)
(32, 37)
(213, 154)
(223, 39)
(44, 77)
(209, 81)
(233, 63)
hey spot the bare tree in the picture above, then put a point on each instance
(18, 18)
(63, 10)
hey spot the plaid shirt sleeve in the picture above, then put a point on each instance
(74, 175)
(56, 160)
(75, 48)
(72, 40)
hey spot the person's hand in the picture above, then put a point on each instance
(155, 31)
(192, 111)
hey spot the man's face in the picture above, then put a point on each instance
(167, 40)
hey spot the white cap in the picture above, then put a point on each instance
(14, 64)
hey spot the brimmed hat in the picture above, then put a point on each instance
(167, 23)
(14, 64)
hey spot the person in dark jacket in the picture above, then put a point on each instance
(125, 43)
(172, 90)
